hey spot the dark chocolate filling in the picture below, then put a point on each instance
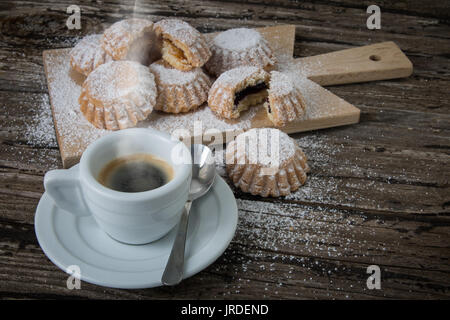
(249, 90)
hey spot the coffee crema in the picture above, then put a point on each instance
(135, 173)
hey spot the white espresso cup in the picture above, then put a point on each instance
(129, 217)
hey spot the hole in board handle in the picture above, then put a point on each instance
(374, 57)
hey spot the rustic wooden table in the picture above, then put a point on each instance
(378, 192)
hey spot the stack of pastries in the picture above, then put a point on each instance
(137, 66)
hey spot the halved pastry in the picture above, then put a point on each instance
(183, 47)
(238, 89)
(179, 91)
(266, 162)
(131, 39)
(239, 47)
(117, 95)
(285, 102)
(88, 54)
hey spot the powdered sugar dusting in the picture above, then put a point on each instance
(181, 31)
(238, 39)
(117, 79)
(280, 84)
(120, 34)
(320, 103)
(269, 144)
(239, 47)
(88, 54)
(235, 76)
(171, 76)
(204, 115)
(40, 131)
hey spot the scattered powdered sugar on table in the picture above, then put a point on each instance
(293, 237)
(320, 152)
(295, 243)
(40, 131)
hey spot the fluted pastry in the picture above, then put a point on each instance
(250, 170)
(239, 47)
(88, 54)
(131, 39)
(118, 94)
(285, 102)
(179, 91)
(183, 47)
(238, 89)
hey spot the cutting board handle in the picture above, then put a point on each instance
(379, 61)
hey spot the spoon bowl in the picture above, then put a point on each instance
(203, 171)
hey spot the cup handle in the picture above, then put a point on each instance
(63, 186)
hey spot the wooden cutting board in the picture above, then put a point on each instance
(324, 109)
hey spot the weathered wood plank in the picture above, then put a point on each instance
(407, 7)
(315, 251)
(321, 20)
(378, 192)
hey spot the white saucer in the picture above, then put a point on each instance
(69, 240)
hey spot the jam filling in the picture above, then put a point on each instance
(249, 90)
(268, 105)
(173, 50)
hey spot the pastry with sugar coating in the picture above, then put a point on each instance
(131, 39)
(239, 47)
(88, 54)
(238, 89)
(183, 47)
(118, 94)
(285, 102)
(251, 170)
(179, 91)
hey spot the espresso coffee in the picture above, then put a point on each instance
(135, 173)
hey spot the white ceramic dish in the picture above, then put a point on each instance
(77, 240)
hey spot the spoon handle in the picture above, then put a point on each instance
(173, 274)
